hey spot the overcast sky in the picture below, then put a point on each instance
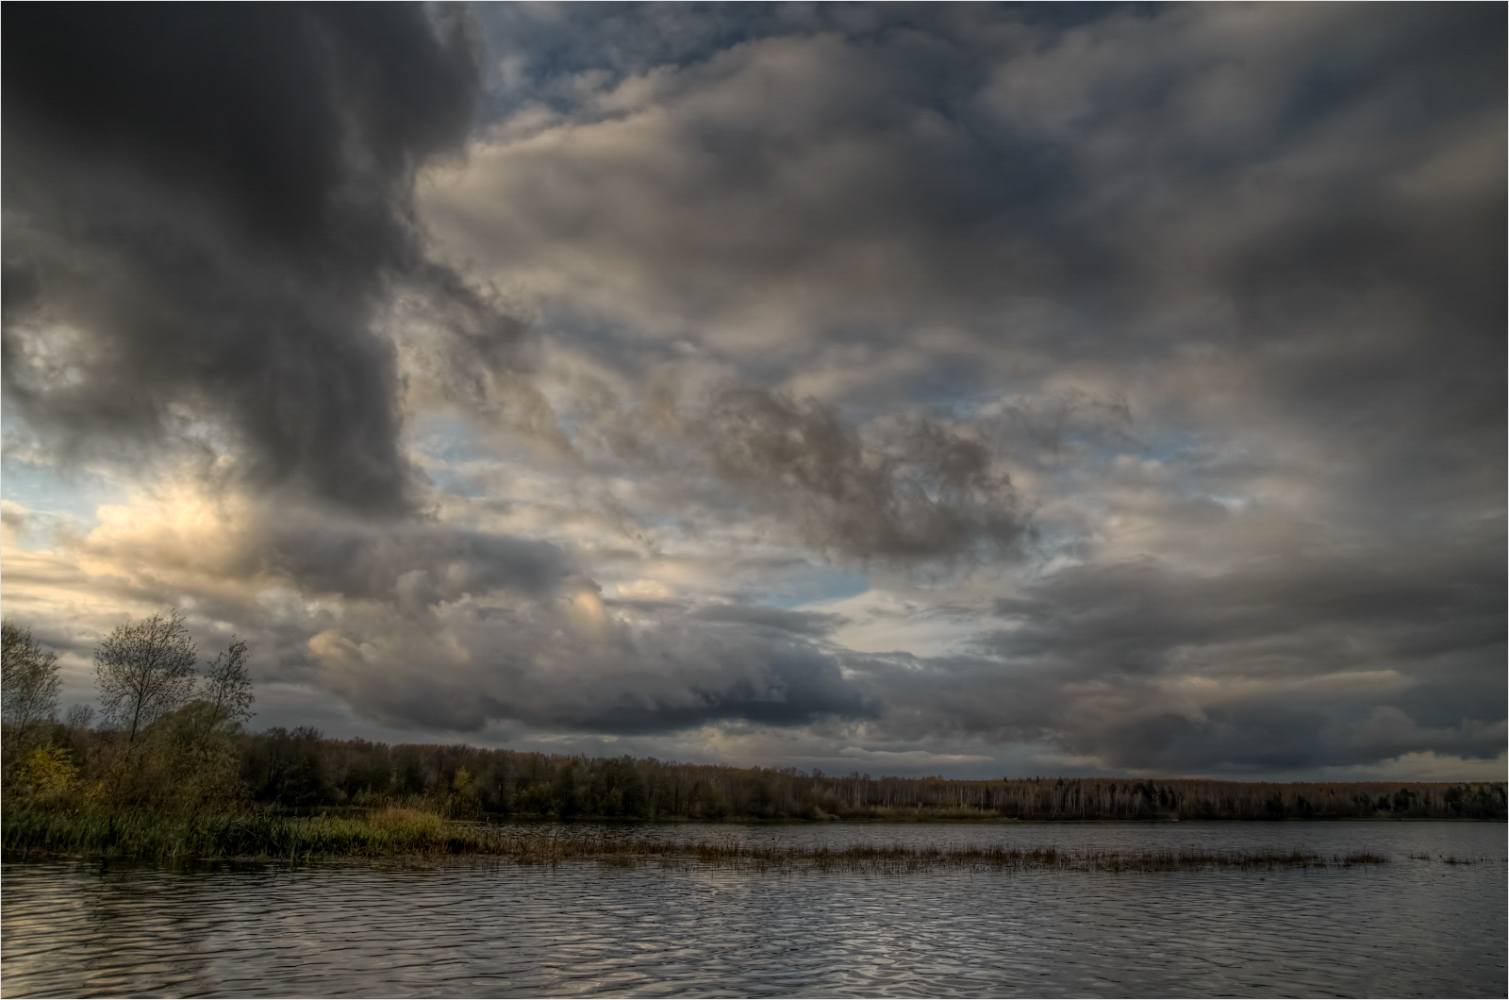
(968, 390)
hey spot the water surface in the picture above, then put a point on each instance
(1414, 927)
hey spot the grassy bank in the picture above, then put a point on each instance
(409, 833)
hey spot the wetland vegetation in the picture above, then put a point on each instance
(394, 832)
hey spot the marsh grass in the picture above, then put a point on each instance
(394, 832)
(1452, 859)
(142, 834)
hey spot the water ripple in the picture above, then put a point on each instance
(1415, 927)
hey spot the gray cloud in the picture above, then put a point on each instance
(203, 228)
(421, 564)
(1267, 238)
(808, 623)
(926, 493)
(905, 489)
(554, 665)
(1295, 193)
(853, 178)
(1318, 660)
(413, 564)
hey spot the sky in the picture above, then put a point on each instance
(976, 390)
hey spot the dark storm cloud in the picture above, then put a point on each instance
(1321, 199)
(207, 209)
(1134, 619)
(545, 667)
(420, 564)
(863, 169)
(773, 683)
(1118, 192)
(1316, 661)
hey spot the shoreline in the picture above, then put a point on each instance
(30, 834)
(740, 857)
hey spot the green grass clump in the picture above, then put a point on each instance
(145, 834)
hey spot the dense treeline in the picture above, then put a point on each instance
(300, 770)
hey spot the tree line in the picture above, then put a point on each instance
(300, 770)
(170, 735)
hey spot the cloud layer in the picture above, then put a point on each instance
(973, 387)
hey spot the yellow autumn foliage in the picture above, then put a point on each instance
(47, 772)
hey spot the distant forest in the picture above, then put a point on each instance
(171, 739)
(300, 770)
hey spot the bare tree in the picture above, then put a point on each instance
(30, 684)
(145, 670)
(79, 717)
(225, 700)
(228, 689)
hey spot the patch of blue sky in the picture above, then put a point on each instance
(816, 584)
(1189, 449)
(446, 438)
(542, 44)
(452, 450)
(542, 48)
(1182, 456)
(614, 342)
(1189, 466)
(459, 483)
(43, 490)
(952, 385)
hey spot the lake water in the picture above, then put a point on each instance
(1413, 927)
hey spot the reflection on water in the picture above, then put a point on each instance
(1415, 927)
